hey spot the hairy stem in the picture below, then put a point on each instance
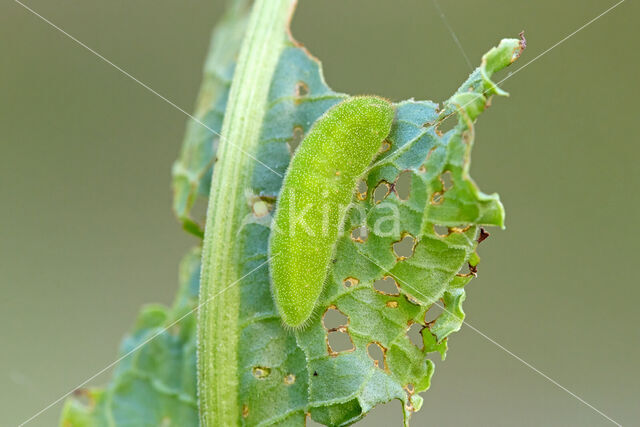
(218, 330)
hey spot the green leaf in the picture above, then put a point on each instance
(193, 169)
(218, 329)
(342, 386)
(422, 181)
(155, 385)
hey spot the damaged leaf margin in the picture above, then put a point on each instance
(284, 376)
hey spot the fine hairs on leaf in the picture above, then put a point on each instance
(379, 298)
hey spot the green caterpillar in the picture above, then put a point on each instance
(317, 190)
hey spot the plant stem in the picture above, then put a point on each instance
(218, 330)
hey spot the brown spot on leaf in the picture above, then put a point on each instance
(350, 282)
(410, 389)
(467, 135)
(289, 379)
(473, 269)
(412, 299)
(437, 198)
(483, 235)
(446, 178)
(460, 229)
(360, 234)
(302, 89)
(296, 138)
(468, 270)
(85, 396)
(261, 372)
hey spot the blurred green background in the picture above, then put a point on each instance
(87, 234)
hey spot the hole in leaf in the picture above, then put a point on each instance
(289, 379)
(360, 234)
(361, 190)
(410, 389)
(382, 190)
(440, 230)
(302, 89)
(386, 146)
(404, 248)
(432, 314)
(339, 341)
(447, 180)
(414, 333)
(468, 270)
(445, 125)
(377, 353)
(386, 286)
(434, 356)
(464, 270)
(350, 282)
(437, 198)
(261, 372)
(296, 138)
(334, 318)
(402, 185)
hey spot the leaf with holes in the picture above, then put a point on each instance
(155, 382)
(413, 223)
(315, 196)
(395, 286)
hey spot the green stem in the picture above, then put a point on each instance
(218, 330)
